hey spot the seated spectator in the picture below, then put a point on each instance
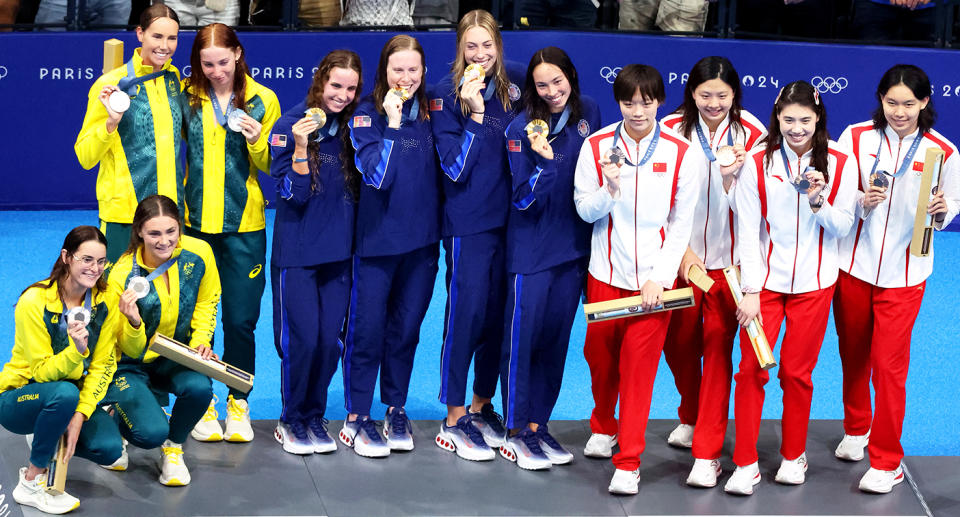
(194, 13)
(320, 13)
(435, 12)
(93, 13)
(556, 13)
(377, 12)
(913, 20)
(666, 15)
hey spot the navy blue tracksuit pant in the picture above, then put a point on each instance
(388, 302)
(310, 304)
(539, 316)
(473, 321)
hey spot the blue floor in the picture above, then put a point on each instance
(933, 414)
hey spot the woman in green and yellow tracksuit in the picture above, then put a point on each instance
(166, 284)
(138, 148)
(228, 118)
(61, 366)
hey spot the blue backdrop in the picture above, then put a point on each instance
(44, 79)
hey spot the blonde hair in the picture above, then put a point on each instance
(484, 20)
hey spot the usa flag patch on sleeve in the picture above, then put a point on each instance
(436, 104)
(659, 166)
(278, 140)
(361, 121)
(513, 146)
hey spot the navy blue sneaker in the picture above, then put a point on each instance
(322, 442)
(490, 425)
(397, 430)
(464, 439)
(524, 448)
(552, 448)
(362, 435)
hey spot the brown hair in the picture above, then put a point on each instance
(155, 12)
(484, 20)
(61, 270)
(152, 206)
(399, 43)
(801, 93)
(216, 35)
(348, 60)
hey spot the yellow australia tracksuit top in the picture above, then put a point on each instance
(142, 157)
(222, 189)
(185, 311)
(44, 352)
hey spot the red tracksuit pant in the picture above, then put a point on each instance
(874, 326)
(806, 322)
(623, 356)
(706, 331)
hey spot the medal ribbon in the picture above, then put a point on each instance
(333, 125)
(564, 117)
(487, 91)
(707, 148)
(218, 112)
(156, 272)
(907, 159)
(87, 304)
(650, 148)
(129, 83)
(414, 111)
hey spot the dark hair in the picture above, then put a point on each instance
(399, 43)
(536, 107)
(152, 206)
(917, 81)
(800, 92)
(61, 270)
(216, 35)
(709, 68)
(349, 60)
(643, 78)
(155, 12)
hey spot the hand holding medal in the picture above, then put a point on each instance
(240, 122)
(116, 103)
(471, 86)
(814, 180)
(610, 165)
(393, 105)
(537, 135)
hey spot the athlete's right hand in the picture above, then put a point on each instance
(113, 118)
(393, 106)
(128, 307)
(874, 197)
(611, 175)
(302, 129)
(78, 332)
(749, 308)
(689, 259)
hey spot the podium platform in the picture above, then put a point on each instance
(260, 479)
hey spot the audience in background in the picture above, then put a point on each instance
(666, 15)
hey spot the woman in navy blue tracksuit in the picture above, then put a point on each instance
(547, 248)
(469, 116)
(312, 247)
(395, 262)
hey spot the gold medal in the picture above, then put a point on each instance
(318, 116)
(402, 93)
(726, 156)
(537, 126)
(474, 71)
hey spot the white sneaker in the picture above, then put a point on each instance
(294, 437)
(851, 447)
(239, 429)
(122, 462)
(464, 439)
(208, 429)
(34, 493)
(174, 471)
(704, 473)
(624, 482)
(681, 437)
(881, 481)
(743, 480)
(792, 472)
(600, 445)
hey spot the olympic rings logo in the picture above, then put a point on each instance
(829, 84)
(3, 71)
(609, 74)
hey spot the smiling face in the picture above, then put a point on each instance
(714, 99)
(405, 70)
(480, 48)
(219, 65)
(158, 42)
(639, 115)
(552, 86)
(160, 237)
(86, 264)
(797, 126)
(902, 109)
(340, 89)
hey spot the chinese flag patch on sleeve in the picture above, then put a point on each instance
(361, 121)
(513, 146)
(918, 166)
(659, 166)
(436, 104)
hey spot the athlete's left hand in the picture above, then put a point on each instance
(652, 294)
(206, 352)
(938, 205)
(817, 183)
(73, 432)
(250, 128)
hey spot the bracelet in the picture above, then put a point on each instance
(477, 112)
(299, 160)
(819, 202)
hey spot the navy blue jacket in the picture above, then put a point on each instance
(314, 224)
(476, 181)
(399, 206)
(544, 228)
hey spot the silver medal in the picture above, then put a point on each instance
(726, 156)
(119, 101)
(234, 119)
(140, 286)
(80, 314)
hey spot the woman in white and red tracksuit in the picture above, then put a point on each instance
(642, 212)
(881, 284)
(795, 198)
(711, 117)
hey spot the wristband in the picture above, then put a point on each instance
(477, 112)
(819, 202)
(299, 160)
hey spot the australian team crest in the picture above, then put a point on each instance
(583, 127)
(514, 92)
